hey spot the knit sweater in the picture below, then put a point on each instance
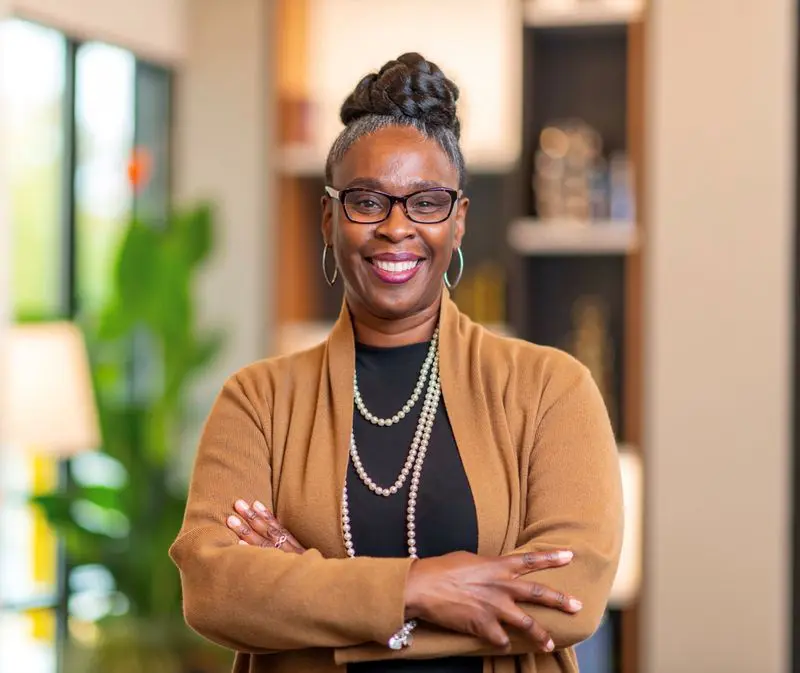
(540, 457)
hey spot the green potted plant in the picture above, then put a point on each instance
(146, 349)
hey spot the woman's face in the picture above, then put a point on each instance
(393, 269)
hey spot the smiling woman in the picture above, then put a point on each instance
(416, 493)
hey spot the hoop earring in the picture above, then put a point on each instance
(329, 281)
(452, 286)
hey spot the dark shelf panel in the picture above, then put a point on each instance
(573, 73)
(552, 286)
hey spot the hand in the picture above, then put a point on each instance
(258, 527)
(475, 595)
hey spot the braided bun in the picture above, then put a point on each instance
(409, 88)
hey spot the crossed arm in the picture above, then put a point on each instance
(282, 600)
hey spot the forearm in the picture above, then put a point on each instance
(588, 569)
(260, 600)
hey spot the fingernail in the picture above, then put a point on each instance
(260, 507)
(242, 542)
(575, 604)
(241, 504)
(565, 556)
(234, 521)
(550, 646)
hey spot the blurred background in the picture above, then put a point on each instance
(633, 181)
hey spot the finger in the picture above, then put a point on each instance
(272, 521)
(267, 527)
(514, 616)
(488, 628)
(245, 532)
(522, 564)
(522, 591)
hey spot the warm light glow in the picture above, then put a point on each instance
(46, 397)
(629, 575)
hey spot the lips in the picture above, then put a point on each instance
(396, 268)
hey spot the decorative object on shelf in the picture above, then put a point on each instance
(622, 204)
(573, 181)
(569, 173)
(590, 342)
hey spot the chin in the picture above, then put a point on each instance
(388, 308)
(389, 304)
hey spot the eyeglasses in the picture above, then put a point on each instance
(367, 206)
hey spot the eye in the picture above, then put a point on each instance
(430, 202)
(366, 203)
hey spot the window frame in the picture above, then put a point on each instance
(69, 303)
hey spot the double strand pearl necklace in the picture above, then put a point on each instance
(413, 466)
(408, 406)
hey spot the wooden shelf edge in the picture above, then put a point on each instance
(538, 14)
(607, 237)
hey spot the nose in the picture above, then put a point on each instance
(397, 226)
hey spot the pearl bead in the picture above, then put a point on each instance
(413, 464)
(429, 365)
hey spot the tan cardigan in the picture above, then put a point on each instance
(539, 454)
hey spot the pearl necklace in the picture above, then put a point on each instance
(408, 406)
(413, 466)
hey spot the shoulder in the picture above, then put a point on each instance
(532, 369)
(260, 380)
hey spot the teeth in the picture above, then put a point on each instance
(394, 267)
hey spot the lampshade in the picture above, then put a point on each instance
(626, 585)
(46, 397)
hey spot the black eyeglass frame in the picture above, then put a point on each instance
(341, 195)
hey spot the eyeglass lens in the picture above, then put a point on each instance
(428, 207)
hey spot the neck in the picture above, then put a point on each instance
(371, 330)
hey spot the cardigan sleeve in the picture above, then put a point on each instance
(574, 501)
(262, 600)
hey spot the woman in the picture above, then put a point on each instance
(417, 493)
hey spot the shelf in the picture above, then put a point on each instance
(608, 237)
(544, 14)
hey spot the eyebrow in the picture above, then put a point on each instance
(373, 183)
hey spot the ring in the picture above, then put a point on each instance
(280, 541)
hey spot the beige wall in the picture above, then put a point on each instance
(720, 219)
(154, 29)
(223, 126)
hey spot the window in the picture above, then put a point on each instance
(78, 120)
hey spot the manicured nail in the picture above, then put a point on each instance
(243, 542)
(241, 504)
(575, 604)
(234, 521)
(260, 507)
(550, 646)
(565, 556)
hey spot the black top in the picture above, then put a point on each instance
(445, 514)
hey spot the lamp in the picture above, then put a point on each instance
(46, 396)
